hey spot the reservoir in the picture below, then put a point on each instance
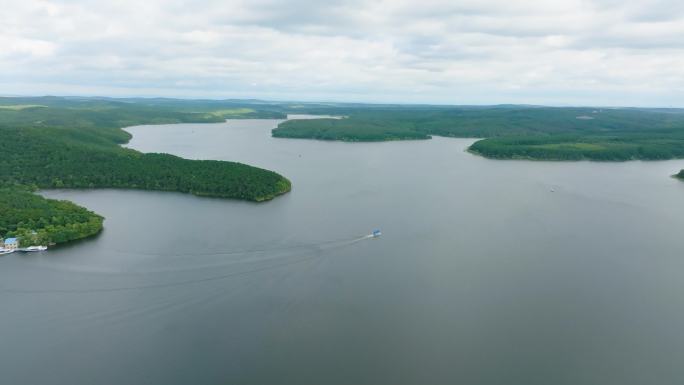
(487, 272)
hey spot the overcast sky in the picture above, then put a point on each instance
(556, 52)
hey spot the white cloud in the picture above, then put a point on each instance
(468, 51)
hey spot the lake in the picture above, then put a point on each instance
(487, 272)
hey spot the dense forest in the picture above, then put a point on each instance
(64, 143)
(36, 220)
(345, 130)
(510, 132)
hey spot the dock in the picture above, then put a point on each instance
(30, 249)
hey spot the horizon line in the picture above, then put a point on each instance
(324, 101)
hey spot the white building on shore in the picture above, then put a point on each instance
(11, 244)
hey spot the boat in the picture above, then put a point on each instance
(35, 248)
(5, 251)
(376, 233)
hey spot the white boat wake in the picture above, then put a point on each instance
(316, 249)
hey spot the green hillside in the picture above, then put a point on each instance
(59, 143)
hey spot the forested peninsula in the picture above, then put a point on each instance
(36, 220)
(510, 132)
(75, 143)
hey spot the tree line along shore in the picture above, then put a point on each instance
(75, 143)
(57, 142)
(508, 131)
(512, 132)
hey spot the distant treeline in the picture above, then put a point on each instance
(346, 130)
(64, 143)
(511, 132)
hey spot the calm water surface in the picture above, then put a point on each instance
(488, 272)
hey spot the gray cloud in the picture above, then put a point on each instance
(464, 51)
